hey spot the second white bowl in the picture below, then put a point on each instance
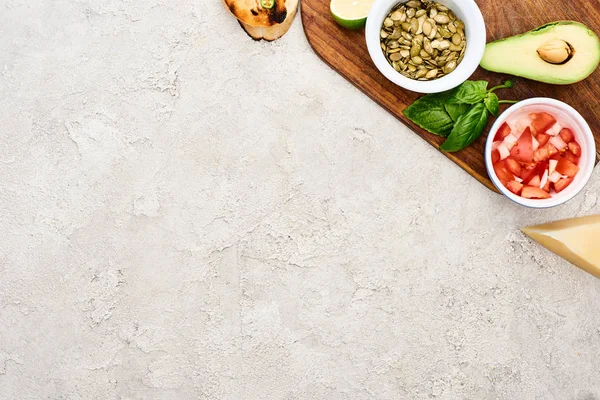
(571, 119)
(465, 10)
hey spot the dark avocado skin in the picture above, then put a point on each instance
(540, 30)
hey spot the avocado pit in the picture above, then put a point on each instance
(556, 52)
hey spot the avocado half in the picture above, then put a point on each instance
(560, 53)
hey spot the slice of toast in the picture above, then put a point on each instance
(262, 23)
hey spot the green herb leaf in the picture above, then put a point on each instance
(492, 103)
(470, 92)
(456, 110)
(430, 114)
(506, 85)
(467, 129)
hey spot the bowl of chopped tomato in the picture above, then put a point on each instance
(540, 153)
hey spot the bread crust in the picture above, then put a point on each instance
(261, 23)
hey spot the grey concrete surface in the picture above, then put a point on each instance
(189, 214)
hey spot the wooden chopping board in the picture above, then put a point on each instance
(346, 52)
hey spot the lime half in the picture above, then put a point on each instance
(351, 14)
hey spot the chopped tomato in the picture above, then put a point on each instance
(566, 167)
(562, 184)
(567, 135)
(544, 181)
(528, 173)
(520, 125)
(542, 138)
(571, 157)
(532, 192)
(539, 162)
(535, 144)
(513, 166)
(495, 156)
(515, 187)
(547, 186)
(510, 141)
(555, 129)
(523, 151)
(503, 132)
(552, 166)
(503, 150)
(503, 173)
(541, 122)
(557, 142)
(535, 181)
(541, 167)
(544, 152)
(555, 177)
(575, 148)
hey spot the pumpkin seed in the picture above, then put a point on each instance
(421, 22)
(396, 57)
(444, 44)
(432, 74)
(456, 39)
(427, 27)
(446, 34)
(415, 50)
(427, 46)
(434, 32)
(451, 66)
(396, 35)
(421, 73)
(423, 39)
(414, 25)
(441, 19)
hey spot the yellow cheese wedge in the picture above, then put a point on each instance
(577, 240)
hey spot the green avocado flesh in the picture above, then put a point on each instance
(517, 55)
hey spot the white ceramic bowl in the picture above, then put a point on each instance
(569, 118)
(466, 10)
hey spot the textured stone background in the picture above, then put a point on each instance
(188, 214)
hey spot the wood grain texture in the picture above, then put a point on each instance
(346, 52)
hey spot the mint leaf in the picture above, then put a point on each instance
(492, 103)
(430, 114)
(467, 129)
(470, 92)
(456, 110)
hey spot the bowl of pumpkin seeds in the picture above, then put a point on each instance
(426, 46)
